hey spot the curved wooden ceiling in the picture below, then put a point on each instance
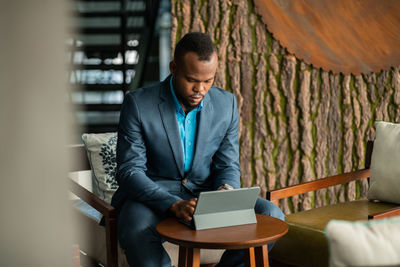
(347, 36)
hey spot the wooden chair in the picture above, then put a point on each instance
(114, 254)
(81, 162)
(305, 243)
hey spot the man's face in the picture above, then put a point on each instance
(193, 78)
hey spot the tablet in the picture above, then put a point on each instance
(223, 208)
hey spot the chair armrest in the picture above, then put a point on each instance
(108, 212)
(384, 214)
(275, 195)
(100, 205)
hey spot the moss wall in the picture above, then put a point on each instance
(298, 123)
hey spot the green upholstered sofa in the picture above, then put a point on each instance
(305, 244)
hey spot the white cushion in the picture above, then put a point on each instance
(385, 163)
(101, 153)
(373, 243)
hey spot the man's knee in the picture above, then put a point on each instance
(136, 225)
(135, 236)
(266, 207)
(276, 212)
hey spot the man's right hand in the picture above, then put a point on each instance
(184, 209)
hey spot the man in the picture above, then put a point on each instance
(176, 139)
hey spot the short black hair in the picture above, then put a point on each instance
(197, 42)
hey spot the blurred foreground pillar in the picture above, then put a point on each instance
(35, 221)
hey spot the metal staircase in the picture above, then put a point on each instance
(108, 52)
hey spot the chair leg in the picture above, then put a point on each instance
(111, 242)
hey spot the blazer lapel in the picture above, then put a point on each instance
(168, 117)
(203, 126)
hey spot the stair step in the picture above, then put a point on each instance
(89, 14)
(98, 107)
(102, 48)
(103, 67)
(100, 128)
(108, 30)
(98, 87)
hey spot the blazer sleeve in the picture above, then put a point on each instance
(131, 161)
(225, 165)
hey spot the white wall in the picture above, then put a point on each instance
(35, 222)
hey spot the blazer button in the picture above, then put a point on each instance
(184, 181)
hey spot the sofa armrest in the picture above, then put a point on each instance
(385, 214)
(275, 195)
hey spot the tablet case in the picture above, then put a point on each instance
(225, 208)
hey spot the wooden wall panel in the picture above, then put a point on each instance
(297, 123)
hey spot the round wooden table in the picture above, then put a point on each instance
(254, 238)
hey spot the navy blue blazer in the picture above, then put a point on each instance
(150, 164)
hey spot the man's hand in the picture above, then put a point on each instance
(225, 187)
(184, 209)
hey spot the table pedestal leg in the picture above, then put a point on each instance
(193, 257)
(189, 257)
(182, 261)
(256, 257)
(261, 254)
(249, 258)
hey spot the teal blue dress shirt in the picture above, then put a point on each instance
(187, 124)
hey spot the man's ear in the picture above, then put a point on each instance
(172, 67)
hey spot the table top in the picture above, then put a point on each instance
(265, 231)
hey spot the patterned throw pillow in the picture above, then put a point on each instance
(101, 153)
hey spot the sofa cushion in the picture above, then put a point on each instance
(309, 225)
(101, 150)
(385, 167)
(372, 243)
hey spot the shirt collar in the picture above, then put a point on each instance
(178, 106)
